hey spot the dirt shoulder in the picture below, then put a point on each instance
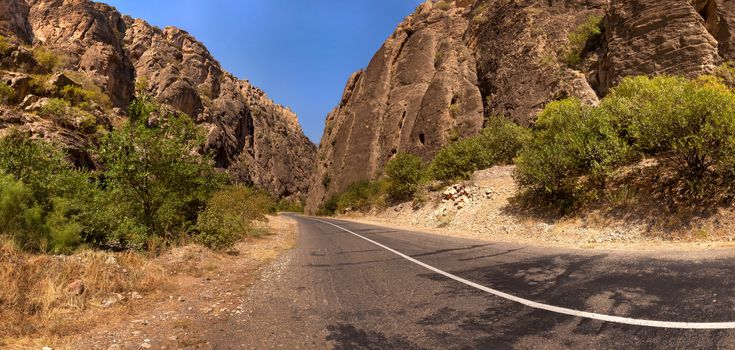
(203, 287)
(482, 208)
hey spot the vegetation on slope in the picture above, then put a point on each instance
(151, 192)
(685, 126)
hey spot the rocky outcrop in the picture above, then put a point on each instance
(86, 36)
(14, 20)
(257, 140)
(504, 58)
(658, 37)
(418, 91)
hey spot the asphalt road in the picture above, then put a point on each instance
(337, 290)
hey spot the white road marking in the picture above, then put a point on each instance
(556, 309)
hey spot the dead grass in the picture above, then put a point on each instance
(34, 300)
(37, 310)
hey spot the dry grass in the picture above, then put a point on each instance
(34, 300)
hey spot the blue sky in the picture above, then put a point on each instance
(300, 52)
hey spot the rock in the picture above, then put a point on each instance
(29, 101)
(111, 260)
(34, 103)
(418, 90)
(112, 300)
(14, 20)
(60, 80)
(655, 36)
(22, 86)
(76, 288)
(259, 141)
(135, 296)
(146, 345)
(440, 70)
(47, 348)
(114, 347)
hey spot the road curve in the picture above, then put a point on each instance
(354, 286)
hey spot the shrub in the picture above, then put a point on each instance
(498, 143)
(63, 198)
(690, 123)
(5, 46)
(289, 205)
(79, 96)
(444, 5)
(457, 160)
(503, 139)
(359, 196)
(20, 216)
(37, 164)
(404, 174)
(47, 59)
(229, 216)
(40, 85)
(578, 39)
(570, 140)
(7, 93)
(56, 108)
(155, 175)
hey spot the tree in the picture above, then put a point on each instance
(154, 172)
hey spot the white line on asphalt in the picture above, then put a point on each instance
(556, 309)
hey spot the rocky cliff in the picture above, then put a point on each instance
(93, 46)
(452, 63)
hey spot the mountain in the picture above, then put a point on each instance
(100, 50)
(452, 63)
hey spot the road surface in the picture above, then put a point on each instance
(355, 286)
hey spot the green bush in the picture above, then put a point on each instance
(20, 216)
(38, 164)
(578, 38)
(56, 108)
(444, 5)
(287, 205)
(359, 196)
(503, 139)
(151, 170)
(690, 123)
(5, 46)
(41, 85)
(229, 216)
(47, 59)
(570, 140)
(498, 143)
(457, 160)
(62, 198)
(404, 174)
(34, 227)
(81, 97)
(7, 93)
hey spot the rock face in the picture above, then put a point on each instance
(418, 90)
(453, 62)
(257, 140)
